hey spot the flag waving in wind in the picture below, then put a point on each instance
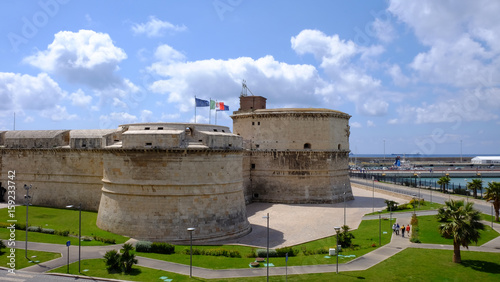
(201, 103)
(219, 106)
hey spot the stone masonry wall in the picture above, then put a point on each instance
(156, 195)
(59, 177)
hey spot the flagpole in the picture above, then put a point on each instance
(216, 113)
(209, 109)
(194, 108)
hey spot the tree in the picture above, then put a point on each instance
(493, 194)
(461, 222)
(128, 258)
(474, 185)
(112, 260)
(391, 205)
(345, 237)
(443, 182)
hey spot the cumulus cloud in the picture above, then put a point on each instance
(166, 54)
(398, 78)
(78, 98)
(384, 30)
(299, 85)
(370, 123)
(356, 124)
(28, 92)
(117, 118)
(85, 57)
(464, 50)
(58, 113)
(146, 116)
(156, 28)
(346, 64)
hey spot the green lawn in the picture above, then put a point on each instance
(423, 207)
(365, 236)
(429, 232)
(488, 217)
(21, 261)
(58, 219)
(411, 264)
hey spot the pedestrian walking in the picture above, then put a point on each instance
(397, 228)
(408, 229)
(403, 230)
(394, 228)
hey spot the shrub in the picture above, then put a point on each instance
(345, 237)
(143, 246)
(128, 259)
(263, 253)
(391, 205)
(213, 252)
(34, 229)
(64, 233)
(20, 226)
(251, 254)
(47, 230)
(112, 260)
(104, 240)
(320, 251)
(162, 248)
(2, 245)
(281, 252)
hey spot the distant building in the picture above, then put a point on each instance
(486, 160)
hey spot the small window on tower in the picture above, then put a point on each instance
(307, 146)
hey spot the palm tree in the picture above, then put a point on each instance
(493, 195)
(462, 223)
(443, 182)
(474, 185)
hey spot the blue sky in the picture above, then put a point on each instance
(421, 75)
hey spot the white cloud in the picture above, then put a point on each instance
(28, 92)
(29, 119)
(118, 118)
(393, 121)
(297, 85)
(79, 98)
(346, 64)
(58, 113)
(156, 28)
(146, 116)
(384, 30)
(85, 57)
(356, 124)
(169, 117)
(370, 123)
(398, 78)
(463, 39)
(167, 54)
(374, 107)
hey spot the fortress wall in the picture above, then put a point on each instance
(59, 177)
(290, 131)
(246, 177)
(300, 177)
(157, 194)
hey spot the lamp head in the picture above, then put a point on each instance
(191, 229)
(337, 229)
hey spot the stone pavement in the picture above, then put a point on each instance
(396, 245)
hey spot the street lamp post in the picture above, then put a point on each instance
(466, 191)
(191, 229)
(337, 229)
(344, 208)
(491, 201)
(373, 194)
(379, 228)
(267, 255)
(79, 234)
(27, 198)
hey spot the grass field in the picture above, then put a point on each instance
(408, 265)
(423, 207)
(22, 262)
(365, 236)
(429, 232)
(58, 219)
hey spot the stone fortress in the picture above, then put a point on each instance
(152, 181)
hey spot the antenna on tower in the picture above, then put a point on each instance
(244, 89)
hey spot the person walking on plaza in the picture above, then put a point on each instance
(403, 230)
(408, 229)
(394, 228)
(397, 228)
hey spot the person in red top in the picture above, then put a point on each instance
(408, 229)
